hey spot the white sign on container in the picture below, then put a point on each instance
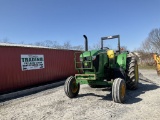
(32, 62)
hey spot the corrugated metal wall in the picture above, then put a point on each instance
(58, 64)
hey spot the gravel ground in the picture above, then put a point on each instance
(91, 104)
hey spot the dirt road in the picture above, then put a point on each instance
(91, 104)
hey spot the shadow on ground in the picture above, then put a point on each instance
(107, 97)
(29, 91)
(144, 86)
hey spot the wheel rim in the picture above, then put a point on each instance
(123, 90)
(136, 73)
(74, 87)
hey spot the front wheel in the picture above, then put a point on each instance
(71, 88)
(118, 90)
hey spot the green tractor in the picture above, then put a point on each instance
(104, 68)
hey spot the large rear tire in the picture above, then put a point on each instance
(71, 88)
(118, 90)
(132, 73)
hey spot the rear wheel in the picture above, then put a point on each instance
(132, 73)
(118, 90)
(71, 88)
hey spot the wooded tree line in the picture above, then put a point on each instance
(65, 45)
(50, 44)
(55, 44)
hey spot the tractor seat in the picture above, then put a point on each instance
(110, 54)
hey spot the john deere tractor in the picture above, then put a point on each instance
(104, 68)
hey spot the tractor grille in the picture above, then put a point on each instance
(88, 64)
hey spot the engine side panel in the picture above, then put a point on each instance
(121, 60)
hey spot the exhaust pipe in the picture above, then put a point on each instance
(86, 42)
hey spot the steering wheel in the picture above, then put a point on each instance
(105, 47)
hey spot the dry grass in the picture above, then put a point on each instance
(146, 67)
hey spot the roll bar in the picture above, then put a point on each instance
(111, 37)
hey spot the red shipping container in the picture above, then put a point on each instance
(21, 67)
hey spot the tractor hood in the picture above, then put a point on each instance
(90, 53)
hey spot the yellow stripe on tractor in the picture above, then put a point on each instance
(156, 57)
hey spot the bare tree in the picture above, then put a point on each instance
(96, 46)
(48, 43)
(150, 45)
(146, 46)
(79, 47)
(67, 45)
(5, 40)
(56, 45)
(39, 44)
(154, 40)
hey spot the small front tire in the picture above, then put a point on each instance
(118, 90)
(71, 88)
